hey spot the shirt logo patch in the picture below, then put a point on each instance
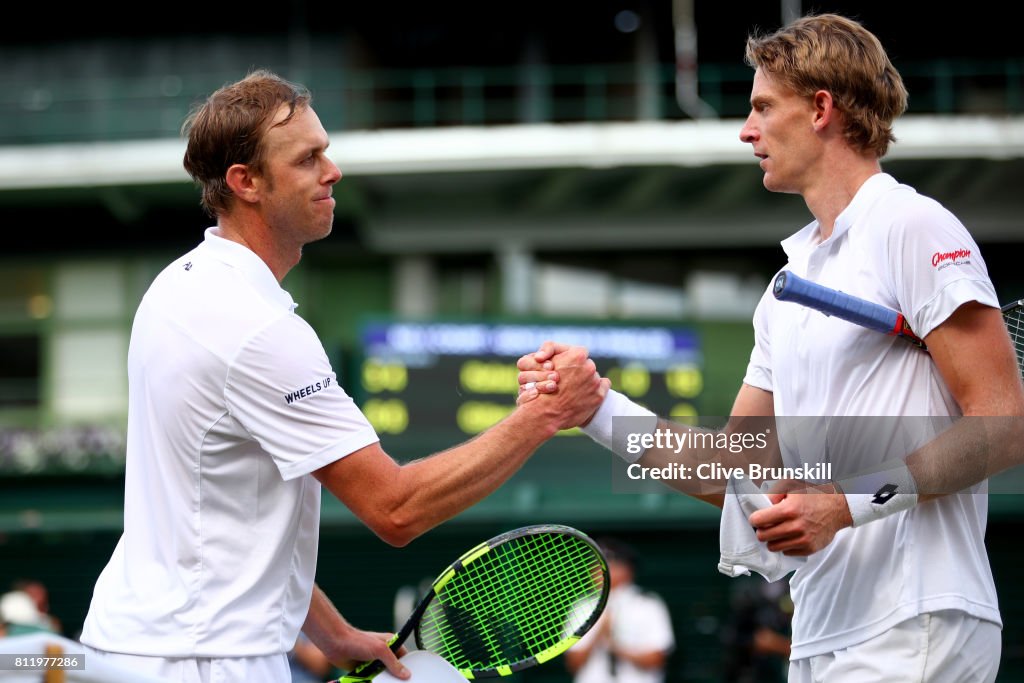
(957, 257)
(307, 391)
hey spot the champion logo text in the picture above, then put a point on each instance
(942, 259)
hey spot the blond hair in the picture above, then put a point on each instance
(837, 54)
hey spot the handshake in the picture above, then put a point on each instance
(561, 382)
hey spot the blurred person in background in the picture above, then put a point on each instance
(236, 419)
(633, 638)
(756, 632)
(41, 597)
(20, 616)
(897, 584)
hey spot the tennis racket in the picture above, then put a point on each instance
(515, 601)
(1013, 316)
(790, 287)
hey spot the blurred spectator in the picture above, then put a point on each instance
(41, 596)
(631, 641)
(19, 614)
(757, 634)
(308, 663)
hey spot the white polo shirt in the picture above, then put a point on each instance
(640, 622)
(905, 251)
(232, 403)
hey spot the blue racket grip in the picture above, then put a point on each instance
(790, 287)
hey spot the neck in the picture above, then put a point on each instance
(835, 192)
(256, 236)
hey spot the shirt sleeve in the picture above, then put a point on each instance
(759, 369)
(282, 390)
(937, 267)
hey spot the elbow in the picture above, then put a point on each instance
(397, 530)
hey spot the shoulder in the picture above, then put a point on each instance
(903, 212)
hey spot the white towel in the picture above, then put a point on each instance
(737, 540)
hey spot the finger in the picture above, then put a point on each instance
(536, 377)
(391, 663)
(527, 393)
(765, 518)
(779, 537)
(528, 362)
(549, 349)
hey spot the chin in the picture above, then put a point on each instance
(773, 185)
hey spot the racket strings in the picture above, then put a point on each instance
(506, 610)
(1014, 319)
(515, 601)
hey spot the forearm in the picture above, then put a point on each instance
(709, 458)
(343, 644)
(324, 626)
(429, 491)
(972, 450)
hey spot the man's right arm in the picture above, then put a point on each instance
(400, 502)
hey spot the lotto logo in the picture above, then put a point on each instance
(884, 494)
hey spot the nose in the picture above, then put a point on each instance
(333, 173)
(748, 133)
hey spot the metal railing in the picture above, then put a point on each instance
(122, 108)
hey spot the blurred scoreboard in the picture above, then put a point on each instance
(436, 383)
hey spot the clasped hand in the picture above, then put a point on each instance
(555, 364)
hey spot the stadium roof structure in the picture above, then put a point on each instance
(494, 148)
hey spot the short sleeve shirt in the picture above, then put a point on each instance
(905, 251)
(232, 404)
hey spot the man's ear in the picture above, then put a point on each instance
(242, 182)
(824, 109)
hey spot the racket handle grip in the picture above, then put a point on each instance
(791, 287)
(363, 673)
(366, 671)
(353, 678)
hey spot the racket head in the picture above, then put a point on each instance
(1013, 316)
(515, 601)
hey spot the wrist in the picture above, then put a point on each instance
(632, 419)
(879, 493)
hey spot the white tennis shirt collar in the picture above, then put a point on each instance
(808, 237)
(251, 266)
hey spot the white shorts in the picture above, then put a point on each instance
(200, 669)
(937, 647)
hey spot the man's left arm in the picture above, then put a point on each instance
(343, 644)
(975, 356)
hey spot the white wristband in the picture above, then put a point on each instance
(600, 427)
(879, 493)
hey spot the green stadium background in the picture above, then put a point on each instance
(681, 237)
